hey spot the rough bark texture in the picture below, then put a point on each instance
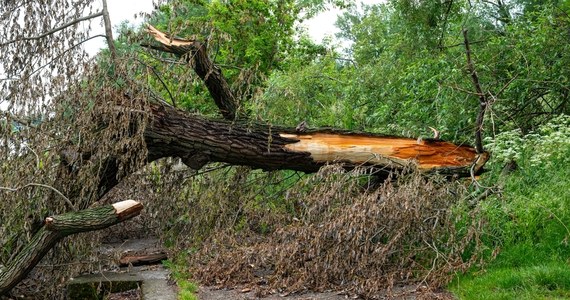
(195, 53)
(58, 227)
(198, 140)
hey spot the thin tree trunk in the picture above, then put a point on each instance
(109, 31)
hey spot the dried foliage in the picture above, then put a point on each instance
(63, 124)
(328, 231)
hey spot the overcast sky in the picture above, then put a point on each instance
(318, 27)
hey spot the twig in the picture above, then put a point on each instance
(40, 185)
(159, 79)
(62, 53)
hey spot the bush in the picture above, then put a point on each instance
(527, 223)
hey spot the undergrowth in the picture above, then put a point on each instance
(528, 221)
(289, 232)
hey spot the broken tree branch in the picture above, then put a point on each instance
(174, 133)
(196, 54)
(56, 228)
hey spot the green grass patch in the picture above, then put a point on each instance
(187, 289)
(548, 281)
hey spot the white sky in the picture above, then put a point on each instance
(318, 27)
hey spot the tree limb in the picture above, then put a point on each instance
(173, 133)
(483, 101)
(56, 228)
(195, 53)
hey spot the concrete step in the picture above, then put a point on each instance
(152, 280)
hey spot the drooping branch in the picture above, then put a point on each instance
(198, 141)
(50, 32)
(58, 227)
(483, 101)
(67, 201)
(196, 54)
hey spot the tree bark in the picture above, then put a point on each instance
(58, 227)
(195, 53)
(198, 141)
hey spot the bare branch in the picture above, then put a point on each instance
(44, 186)
(483, 101)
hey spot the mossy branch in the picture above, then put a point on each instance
(58, 227)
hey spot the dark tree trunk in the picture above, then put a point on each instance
(198, 141)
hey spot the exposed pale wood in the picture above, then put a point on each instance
(378, 150)
(162, 38)
(122, 206)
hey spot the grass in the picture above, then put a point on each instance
(529, 224)
(187, 289)
(546, 281)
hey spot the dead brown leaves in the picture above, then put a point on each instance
(343, 238)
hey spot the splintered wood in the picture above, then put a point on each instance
(391, 151)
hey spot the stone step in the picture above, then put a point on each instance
(153, 282)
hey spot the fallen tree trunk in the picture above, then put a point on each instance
(198, 141)
(58, 227)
